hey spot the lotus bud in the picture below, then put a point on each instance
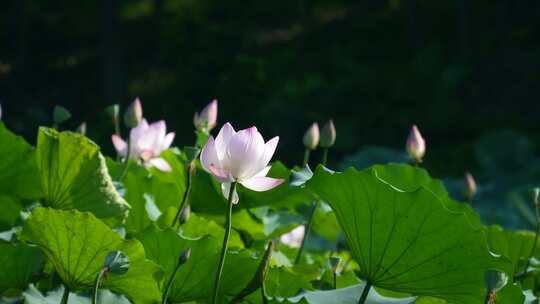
(535, 194)
(328, 134)
(116, 262)
(184, 256)
(495, 280)
(60, 115)
(207, 118)
(470, 186)
(311, 138)
(82, 128)
(186, 213)
(334, 263)
(416, 145)
(114, 112)
(134, 114)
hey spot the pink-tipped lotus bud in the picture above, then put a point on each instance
(535, 195)
(134, 114)
(416, 145)
(311, 138)
(328, 135)
(470, 186)
(207, 118)
(82, 128)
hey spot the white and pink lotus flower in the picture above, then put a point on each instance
(294, 238)
(241, 157)
(147, 142)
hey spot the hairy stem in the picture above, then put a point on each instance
(324, 156)
(126, 161)
(170, 283)
(185, 198)
(307, 230)
(96, 284)
(306, 157)
(263, 294)
(65, 296)
(225, 244)
(365, 293)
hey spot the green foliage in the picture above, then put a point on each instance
(77, 244)
(19, 264)
(74, 176)
(407, 241)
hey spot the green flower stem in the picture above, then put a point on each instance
(96, 284)
(170, 283)
(324, 156)
(365, 293)
(488, 297)
(263, 294)
(306, 157)
(225, 244)
(126, 161)
(335, 279)
(307, 230)
(65, 296)
(184, 198)
(535, 243)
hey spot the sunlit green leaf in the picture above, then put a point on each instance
(408, 241)
(77, 244)
(74, 175)
(19, 264)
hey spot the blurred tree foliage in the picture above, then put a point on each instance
(457, 68)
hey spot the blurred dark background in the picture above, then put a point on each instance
(458, 68)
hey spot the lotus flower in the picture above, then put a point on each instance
(294, 238)
(147, 141)
(208, 116)
(470, 186)
(241, 157)
(416, 145)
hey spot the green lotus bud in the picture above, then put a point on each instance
(134, 114)
(535, 194)
(495, 280)
(184, 256)
(186, 213)
(311, 138)
(60, 115)
(82, 128)
(334, 263)
(328, 134)
(114, 112)
(117, 262)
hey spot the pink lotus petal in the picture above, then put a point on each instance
(167, 141)
(225, 188)
(244, 153)
(262, 183)
(269, 149)
(160, 163)
(119, 144)
(221, 175)
(209, 155)
(222, 139)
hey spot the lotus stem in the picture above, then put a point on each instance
(96, 285)
(126, 161)
(325, 156)
(306, 157)
(184, 198)
(170, 283)
(225, 244)
(365, 293)
(535, 243)
(314, 205)
(65, 295)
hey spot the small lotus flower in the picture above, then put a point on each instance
(416, 145)
(294, 237)
(241, 157)
(134, 114)
(470, 186)
(311, 138)
(328, 134)
(147, 141)
(207, 118)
